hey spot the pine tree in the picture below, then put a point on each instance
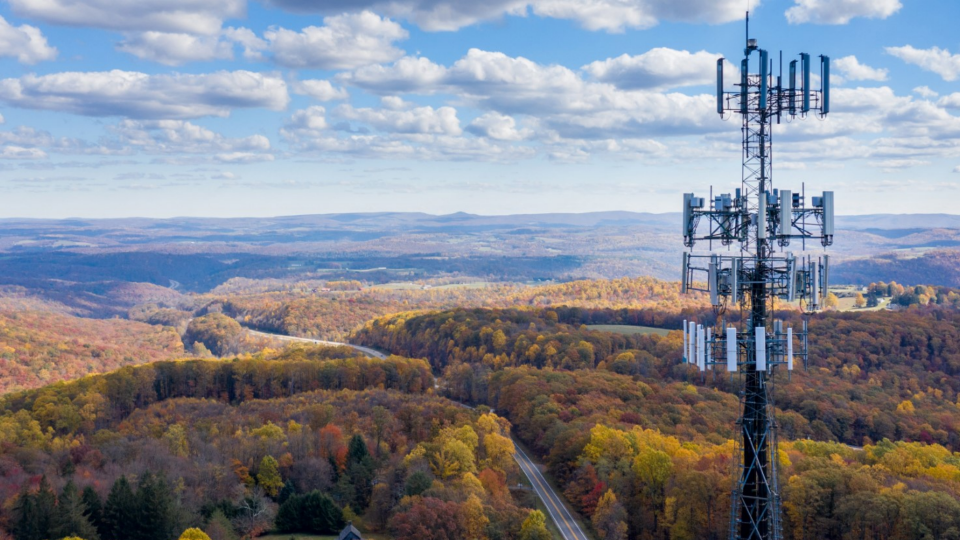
(94, 506)
(288, 490)
(25, 525)
(46, 508)
(71, 517)
(120, 511)
(361, 471)
(154, 503)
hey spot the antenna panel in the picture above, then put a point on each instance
(760, 347)
(793, 88)
(786, 212)
(764, 79)
(828, 222)
(720, 86)
(825, 83)
(731, 349)
(712, 281)
(744, 87)
(762, 217)
(789, 349)
(805, 64)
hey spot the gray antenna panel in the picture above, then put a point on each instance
(731, 349)
(760, 347)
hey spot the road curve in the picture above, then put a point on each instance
(568, 526)
(365, 350)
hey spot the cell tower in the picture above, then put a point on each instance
(762, 221)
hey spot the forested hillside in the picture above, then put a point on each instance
(620, 413)
(332, 315)
(38, 348)
(298, 442)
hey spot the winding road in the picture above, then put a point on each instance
(365, 350)
(561, 516)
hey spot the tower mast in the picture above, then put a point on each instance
(760, 220)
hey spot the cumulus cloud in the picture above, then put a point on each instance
(179, 136)
(950, 102)
(618, 15)
(852, 69)
(657, 69)
(609, 15)
(320, 90)
(925, 91)
(399, 117)
(25, 43)
(188, 16)
(934, 59)
(174, 49)
(560, 98)
(956, 169)
(305, 122)
(343, 42)
(840, 11)
(498, 126)
(141, 96)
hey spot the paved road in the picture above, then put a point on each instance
(568, 526)
(365, 350)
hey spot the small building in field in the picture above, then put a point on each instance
(350, 533)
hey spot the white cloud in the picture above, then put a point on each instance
(934, 59)
(950, 102)
(840, 11)
(320, 90)
(852, 69)
(19, 152)
(189, 16)
(142, 96)
(307, 121)
(174, 49)
(25, 43)
(408, 74)
(925, 91)
(609, 15)
(431, 15)
(657, 69)
(900, 163)
(562, 101)
(343, 42)
(956, 169)
(179, 136)
(398, 117)
(243, 157)
(617, 15)
(498, 126)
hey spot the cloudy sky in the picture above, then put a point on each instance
(164, 108)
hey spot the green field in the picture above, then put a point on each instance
(627, 329)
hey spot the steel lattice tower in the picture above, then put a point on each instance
(760, 220)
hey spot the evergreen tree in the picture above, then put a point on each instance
(71, 517)
(288, 490)
(91, 499)
(361, 471)
(155, 509)
(120, 512)
(25, 526)
(46, 507)
(322, 514)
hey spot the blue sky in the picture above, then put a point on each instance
(164, 108)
